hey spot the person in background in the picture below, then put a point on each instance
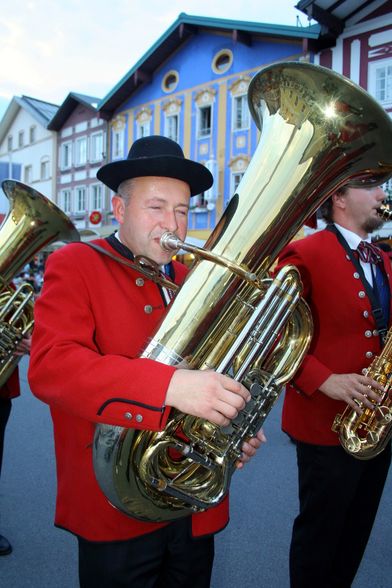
(85, 365)
(347, 284)
(9, 390)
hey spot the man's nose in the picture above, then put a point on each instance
(380, 194)
(170, 221)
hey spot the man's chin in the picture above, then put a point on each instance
(373, 224)
(160, 259)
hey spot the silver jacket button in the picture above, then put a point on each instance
(148, 309)
(356, 275)
(139, 282)
(139, 418)
(366, 313)
(368, 334)
(369, 354)
(361, 294)
(128, 416)
(375, 333)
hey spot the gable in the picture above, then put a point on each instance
(206, 46)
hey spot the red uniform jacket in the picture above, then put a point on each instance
(92, 320)
(344, 338)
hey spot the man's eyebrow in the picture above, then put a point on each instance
(156, 199)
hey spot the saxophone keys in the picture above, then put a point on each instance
(383, 414)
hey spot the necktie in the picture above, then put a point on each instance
(368, 252)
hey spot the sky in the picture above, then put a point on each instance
(49, 48)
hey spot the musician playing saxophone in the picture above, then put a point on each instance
(348, 290)
(92, 319)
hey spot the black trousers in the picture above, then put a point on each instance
(339, 497)
(167, 558)
(5, 409)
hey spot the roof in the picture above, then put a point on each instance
(41, 111)
(180, 31)
(335, 15)
(69, 105)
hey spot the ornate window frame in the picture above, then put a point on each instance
(222, 53)
(167, 85)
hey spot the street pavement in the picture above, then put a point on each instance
(252, 552)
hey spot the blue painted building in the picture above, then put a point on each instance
(192, 87)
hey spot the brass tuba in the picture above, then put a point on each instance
(33, 222)
(319, 130)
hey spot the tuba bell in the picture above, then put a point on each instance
(33, 222)
(318, 131)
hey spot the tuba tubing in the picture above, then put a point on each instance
(318, 132)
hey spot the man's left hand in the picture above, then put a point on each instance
(23, 347)
(250, 447)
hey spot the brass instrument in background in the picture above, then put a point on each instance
(33, 222)
(365, 435)
(319, 130)
(385, 212)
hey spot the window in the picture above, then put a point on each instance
(9, 143)
(235, 180)
(387, 187)
(240, 113)
(81, 151)
(171, 127)
(380, 81)
(222, 61)
(97, 153)
(45, 168)
(118, 144)
(66, 201)
(32, 134)
(170, 81)
(204, 121)
(66, 155)
(384, 84)
(20, 139)
(201, 202)
(80, 204)
(96, 197)
(28, 174)
(143, 129)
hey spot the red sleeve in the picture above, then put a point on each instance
(67, 368)
(312, 372)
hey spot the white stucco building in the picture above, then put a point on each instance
(27, 147)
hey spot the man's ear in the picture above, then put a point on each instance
(339, 200)
(118, 206)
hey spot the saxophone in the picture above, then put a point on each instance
(318, 131)
(365, 435)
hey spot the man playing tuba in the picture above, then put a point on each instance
(84, 365)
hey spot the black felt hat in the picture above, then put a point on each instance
(156, 156)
